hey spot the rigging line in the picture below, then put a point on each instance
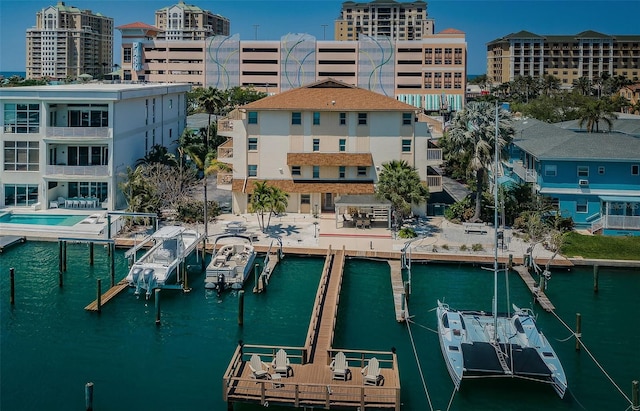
(578, 402)
(566, 339)
(423, 326)
(594, 359)
(415, 353)
(451, 399)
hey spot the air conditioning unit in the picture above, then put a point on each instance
(583, 182)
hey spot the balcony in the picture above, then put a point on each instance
(73, 133)
(225, 125)
(434, 183)
(225, 150)
(224, 179)
(434, 156)
(526, 175)
(80, 171)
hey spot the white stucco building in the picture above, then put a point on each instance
(322, 141)
(77, 140)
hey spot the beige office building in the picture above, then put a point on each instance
(67, 42)
(184, 22)
(396, 20)
(568, 57)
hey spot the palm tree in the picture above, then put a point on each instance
(279, 200)
(473, 133)
(595, 111)
(583, 85)
(549, 85)
(158, 154)
(212, 102)
(260, 201)
(400, 183)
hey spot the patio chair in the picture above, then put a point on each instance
(281, 364)
(371, 373)
(61, 202)
(53, 204)
(258, 368)
(340, 367)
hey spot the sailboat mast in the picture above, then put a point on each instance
(495, 232)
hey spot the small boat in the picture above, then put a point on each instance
(159, 266)
(231, 265)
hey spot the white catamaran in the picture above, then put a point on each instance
(489, 344)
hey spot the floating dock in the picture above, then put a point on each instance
(539, 295)
(7, 241)
(108, 295)
(397, 286)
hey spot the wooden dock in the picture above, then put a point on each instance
(7, 241)
(397, 286)
(539, 295)
(312, 384)
(108, 295)
(271, 261)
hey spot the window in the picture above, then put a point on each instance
(342, 171)
(635, 170)
(601, 170)
(362, 118)
(21, 156)
(21, 118)
(583, 171)
(252, 144)
(362, 171)
(253, 117)
(295, 171)
(126, 54)
(20, 194)
(316, 171)
(343, 119)
(342, 144)
(550, 170)
(296, 118)
(581, 205)
(316, 118)
(316, 144)
(252, 170)
(88, 189)
(406, 145)
(305, 198)
(406, 119)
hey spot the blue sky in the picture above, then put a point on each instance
(482, 21)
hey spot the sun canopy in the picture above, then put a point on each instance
(620, 199)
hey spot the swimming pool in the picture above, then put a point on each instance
(42, 219)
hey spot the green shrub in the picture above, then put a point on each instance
(445, 247)
(192, 211)
(477, 247)
(407, 232)
(463, 247)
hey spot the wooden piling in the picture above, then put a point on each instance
(60, 256)
(241, 307)
(406, 290)
(256, 274)
(88, 396)
(596, 269)
(204, 253)
(12, 296)
(510, 263)
(578, 330)
(185, 276)
(91, 253)
(157, 298)
(635, 396)
(99, 298)
(64, 256)
(112, 253)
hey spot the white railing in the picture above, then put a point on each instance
(224, 178)
(434, 155)
(225, 150)
(434, 183)
(527, 175)
(71, 132)
(620, 222)
(225, 125)
(597, 225)
(91, 171)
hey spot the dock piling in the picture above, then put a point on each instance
(240, 307)
(578, 330)
(99, 298)
(88, 396)
(12, 297)
(157, 301)
(596, 269)
(510, 264)
(112, 268)
(91, 253)
(64, 256)
(635, 396)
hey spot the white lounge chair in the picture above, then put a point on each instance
(340, 367)
(281, 364)
(258, 368)
(53, 204)
(371, 373)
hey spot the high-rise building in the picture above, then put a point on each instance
(68, 42)
(187, 22)
(396, 20)
(568, 57)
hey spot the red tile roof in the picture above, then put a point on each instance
(138, 25)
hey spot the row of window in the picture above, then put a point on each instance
(252, 171)
(551, 170)
(252, 144)
(296, 118)
(21, 118)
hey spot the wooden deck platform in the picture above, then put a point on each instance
(540, 296)
(108, 295)
(7, 241)
(312, 383)
(397, 286)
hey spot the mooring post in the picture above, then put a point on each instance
(91, 253)
(99, 297)
(595, 278)
(112, 253)
(12, 297)
(60, 256)
(157, 296)
(88, 396)
(635, 396)
(108, 226)
(64, 256)
(406, 290)
(578, 330)
(185, 275)
(204, 253)
(510, 264)
(256, 267)
(241, 307)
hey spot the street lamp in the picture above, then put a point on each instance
(315, 210)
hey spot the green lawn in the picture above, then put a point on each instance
(598, 246)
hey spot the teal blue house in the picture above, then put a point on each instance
(594, 178)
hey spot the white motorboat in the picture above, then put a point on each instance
(479, 344)
(231, 265)
(159, 267)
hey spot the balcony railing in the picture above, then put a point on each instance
(434, 183)
(225, 125)
(527, 175)
(225, 150)
(74, 132)
(88, 171)
(224, 178)
(434, 155)
(620, 222)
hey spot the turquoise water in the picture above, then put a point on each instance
(41, 219)
(51, 347)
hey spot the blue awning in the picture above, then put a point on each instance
(620, 199)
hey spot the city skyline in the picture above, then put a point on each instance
(270, 20)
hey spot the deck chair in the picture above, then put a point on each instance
(258, 368)
(281, 364)
(371, 373)
(340, 367)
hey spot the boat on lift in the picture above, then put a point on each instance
(231, 264)
(159, 267)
